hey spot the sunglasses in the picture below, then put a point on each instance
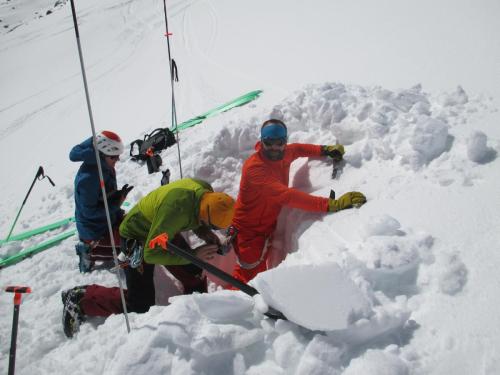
(114, 157)
(268, 142)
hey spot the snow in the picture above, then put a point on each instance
(406, 284)
(477, 149)
(289, 291)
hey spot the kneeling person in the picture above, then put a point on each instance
(90, 214)
(186, 204)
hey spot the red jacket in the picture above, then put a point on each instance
(264, 190)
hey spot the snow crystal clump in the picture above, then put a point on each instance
(320, 357)
(454, 275)
(224, 306)
(287, 350)
(429, 139)
(456, 98)
(382, 225)
(260, 305)
(477, 150)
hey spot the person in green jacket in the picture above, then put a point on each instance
(180, 206)
(160, 216)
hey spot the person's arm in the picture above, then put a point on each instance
(285, 195)
(115, 198)
(302, 150)
(336, 152)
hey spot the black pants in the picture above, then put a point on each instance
(141, 288)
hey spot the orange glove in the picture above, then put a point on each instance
(160, 240)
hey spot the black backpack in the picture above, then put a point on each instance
(154, 142)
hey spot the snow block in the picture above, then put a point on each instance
(318, 297)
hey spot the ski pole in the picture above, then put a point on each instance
(39, 176)
(245, 288)
(99, 167)
(18, 290)
(173, 76)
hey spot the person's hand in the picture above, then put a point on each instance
(348, 200)
(125, 190)
(227, 243)
(118, 196)
(206, 234)
(336, 152)
(225, 246)
(206, 252)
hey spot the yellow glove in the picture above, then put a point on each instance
(336, 152)
(348, 200)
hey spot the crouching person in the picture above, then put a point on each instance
(90, 213)
(165, 213)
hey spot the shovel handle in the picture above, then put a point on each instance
(19, 291)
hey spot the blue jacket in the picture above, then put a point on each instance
(90, 214)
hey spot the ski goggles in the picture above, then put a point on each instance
(273, 130)
(268, 142)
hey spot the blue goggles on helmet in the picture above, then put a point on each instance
(273, 131)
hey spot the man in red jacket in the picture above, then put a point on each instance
(264, 190)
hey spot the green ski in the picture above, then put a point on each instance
(36, 249)
(244, 99)
(40, 230)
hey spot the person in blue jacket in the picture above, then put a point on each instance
(90, 214)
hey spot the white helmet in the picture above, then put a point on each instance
(109, 143)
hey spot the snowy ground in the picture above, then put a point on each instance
(405, 285)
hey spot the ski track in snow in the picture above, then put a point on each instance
(407, 150)
(198, 50)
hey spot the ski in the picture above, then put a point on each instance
(45, 228)
(244, 99)
(40, 230)
(36, 249)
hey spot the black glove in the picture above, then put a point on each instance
(125, 190)
(119, 196)
(165, 178)
(336, 152)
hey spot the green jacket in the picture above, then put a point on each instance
(170, 209)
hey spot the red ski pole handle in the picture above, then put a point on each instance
(19, 291)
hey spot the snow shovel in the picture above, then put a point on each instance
(245, 288)
(18, 290)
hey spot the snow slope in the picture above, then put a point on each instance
(404, 285)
